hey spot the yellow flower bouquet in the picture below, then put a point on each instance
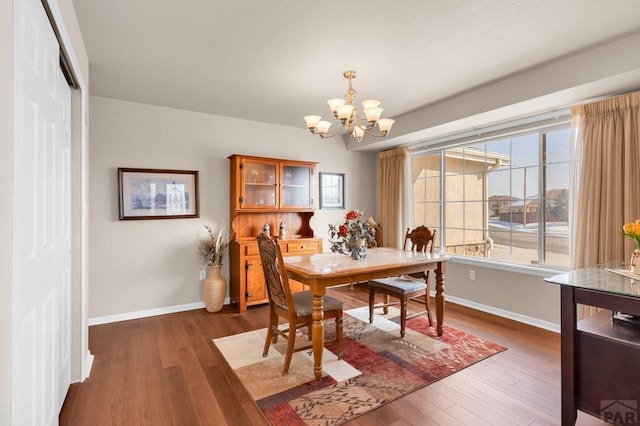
(632, 230)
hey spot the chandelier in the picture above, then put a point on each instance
(345, 111)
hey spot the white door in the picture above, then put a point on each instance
(41, 347)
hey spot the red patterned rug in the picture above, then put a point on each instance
(377, 367)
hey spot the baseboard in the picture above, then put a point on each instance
(148, 313)
(86, 366)
(546, 325)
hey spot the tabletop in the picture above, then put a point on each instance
(610, 277)
(384, 261)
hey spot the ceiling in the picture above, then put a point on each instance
(276, 61)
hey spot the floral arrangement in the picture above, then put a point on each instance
(632, 230)
(353, 235)
(212, 249)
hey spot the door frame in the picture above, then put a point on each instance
(81, 358)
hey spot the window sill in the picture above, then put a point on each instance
(541, 271)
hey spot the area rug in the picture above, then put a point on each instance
(377, 367)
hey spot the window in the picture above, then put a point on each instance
(505, 199)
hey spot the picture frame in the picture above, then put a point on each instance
(331, 191)
(158, 194)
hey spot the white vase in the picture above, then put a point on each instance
(634, 263)
(359, 249)
(214, 289)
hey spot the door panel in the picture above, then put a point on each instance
(256, 290)
(296, 186)
(41, 341)
(259, 184)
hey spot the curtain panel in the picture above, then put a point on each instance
(605, 179)
(392, 195)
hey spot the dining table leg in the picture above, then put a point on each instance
(317, 333)
(440, 269)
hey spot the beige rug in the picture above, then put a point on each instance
(378, 367)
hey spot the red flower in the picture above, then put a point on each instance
(342, 230)
(352, 215)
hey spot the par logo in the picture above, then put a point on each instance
(619, 412)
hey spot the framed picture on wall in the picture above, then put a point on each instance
(331, 190)
(158, 194)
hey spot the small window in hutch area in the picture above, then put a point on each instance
(332, 190)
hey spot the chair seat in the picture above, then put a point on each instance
(407, 286)
(399, 285)
(303, 302)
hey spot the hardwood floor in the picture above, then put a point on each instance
(165, 370)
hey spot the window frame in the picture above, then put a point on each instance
(541, 129)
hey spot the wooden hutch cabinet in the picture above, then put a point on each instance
(267, 191)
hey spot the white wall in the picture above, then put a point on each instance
(6, 208)
(141, 265)
(522, 296)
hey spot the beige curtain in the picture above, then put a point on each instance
(392, 195)
(606, 179)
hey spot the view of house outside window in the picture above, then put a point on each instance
(505, 199)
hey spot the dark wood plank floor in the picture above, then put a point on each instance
(165, 370)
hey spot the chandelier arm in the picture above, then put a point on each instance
(334, 132)
(364, 120)
(368, 132)
(358, 120)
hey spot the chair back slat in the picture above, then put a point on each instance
(421, 239)
(279, 292)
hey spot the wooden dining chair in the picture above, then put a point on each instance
(295, 308)
(407, 286)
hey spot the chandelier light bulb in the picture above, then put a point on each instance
(358, 133)
(323, 127)
(334, 104)
(384, 124)
(370, 103)
(312, 122)
(373, 114)
(344, 112)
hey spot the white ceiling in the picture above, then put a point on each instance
(276, 61)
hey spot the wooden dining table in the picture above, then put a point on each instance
(323, 270)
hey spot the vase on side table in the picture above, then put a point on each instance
(634, 263)
(214, 288)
